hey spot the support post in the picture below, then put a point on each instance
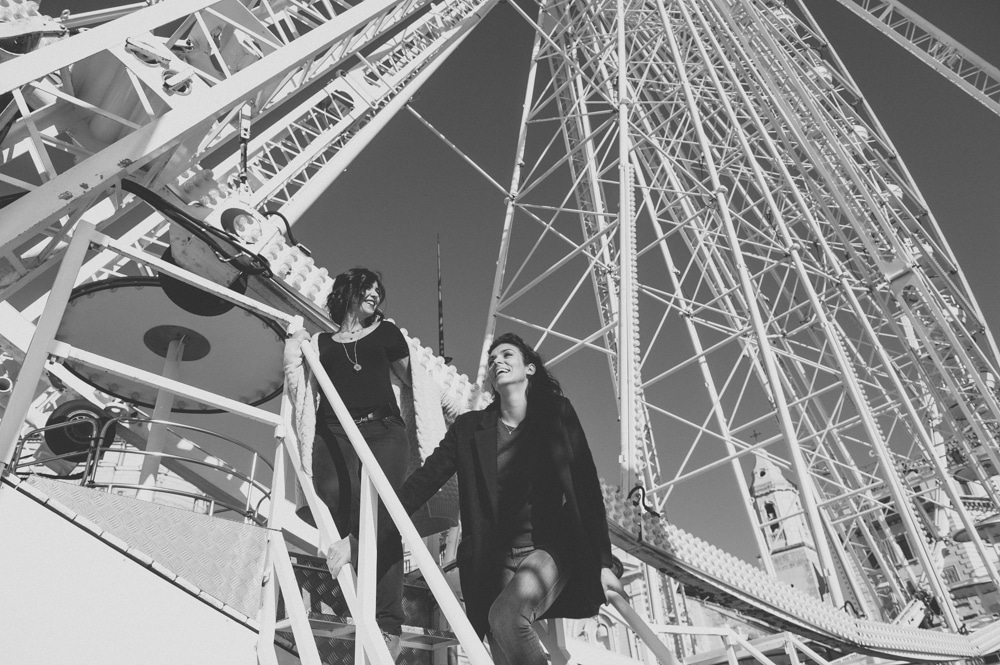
(45, 333)
(157, 439)
(626, 285)
(367, 564)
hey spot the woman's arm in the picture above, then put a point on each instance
(421, 486)
(435, 472)
(401, 371)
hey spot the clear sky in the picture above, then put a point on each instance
(387, 209)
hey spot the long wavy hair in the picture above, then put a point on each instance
(348, 289)
(542, 386)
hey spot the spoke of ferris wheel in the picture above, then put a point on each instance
(942, 53)
(730, 232)
(958, 504)
(959, 59)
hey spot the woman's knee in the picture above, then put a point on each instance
(507, 619)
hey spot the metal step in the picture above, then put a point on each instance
(423, 637)
(334, 627)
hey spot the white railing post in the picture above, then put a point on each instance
(754, 652)
(367, 559)
(793, 657)
(305, 641)
(731, 656)
(267, 612)
(642, 629)
(45, 333)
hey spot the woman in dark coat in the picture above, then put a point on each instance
(535, 538)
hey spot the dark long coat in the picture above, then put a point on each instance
(470, 449)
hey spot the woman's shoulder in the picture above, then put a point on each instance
(383, 329)
(555, 404)
(323, 338)
(470, 419)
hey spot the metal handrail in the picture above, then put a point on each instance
(200, 430)
(93, 422)
(642, 629)
(212, 502)
(92, 458)
(94, 452)
(145, 453)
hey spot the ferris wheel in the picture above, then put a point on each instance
(701, 211)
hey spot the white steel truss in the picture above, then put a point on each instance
(705, 160)
(942, 53)
(268, 58)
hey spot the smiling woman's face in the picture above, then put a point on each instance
(370, 300)
(506, 366)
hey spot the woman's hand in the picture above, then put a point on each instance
(337, 555)
(301, 335)
(611, 583)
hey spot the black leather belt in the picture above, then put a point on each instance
(377, 413)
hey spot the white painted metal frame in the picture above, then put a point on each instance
(931, 45)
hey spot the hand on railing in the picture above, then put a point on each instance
(612, 583)
(619, 601)
(337, 555)
(293, 353)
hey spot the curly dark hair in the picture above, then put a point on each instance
(348, 288)
(541, 385)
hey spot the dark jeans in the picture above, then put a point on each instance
(531, 579)
(337, 479)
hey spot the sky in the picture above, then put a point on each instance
(407, 188)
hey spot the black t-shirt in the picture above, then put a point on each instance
(368, 388)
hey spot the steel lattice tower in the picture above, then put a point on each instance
(728, 189)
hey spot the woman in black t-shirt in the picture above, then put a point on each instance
(359, 357)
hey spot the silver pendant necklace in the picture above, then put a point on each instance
(357, 365)
(510, 430)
